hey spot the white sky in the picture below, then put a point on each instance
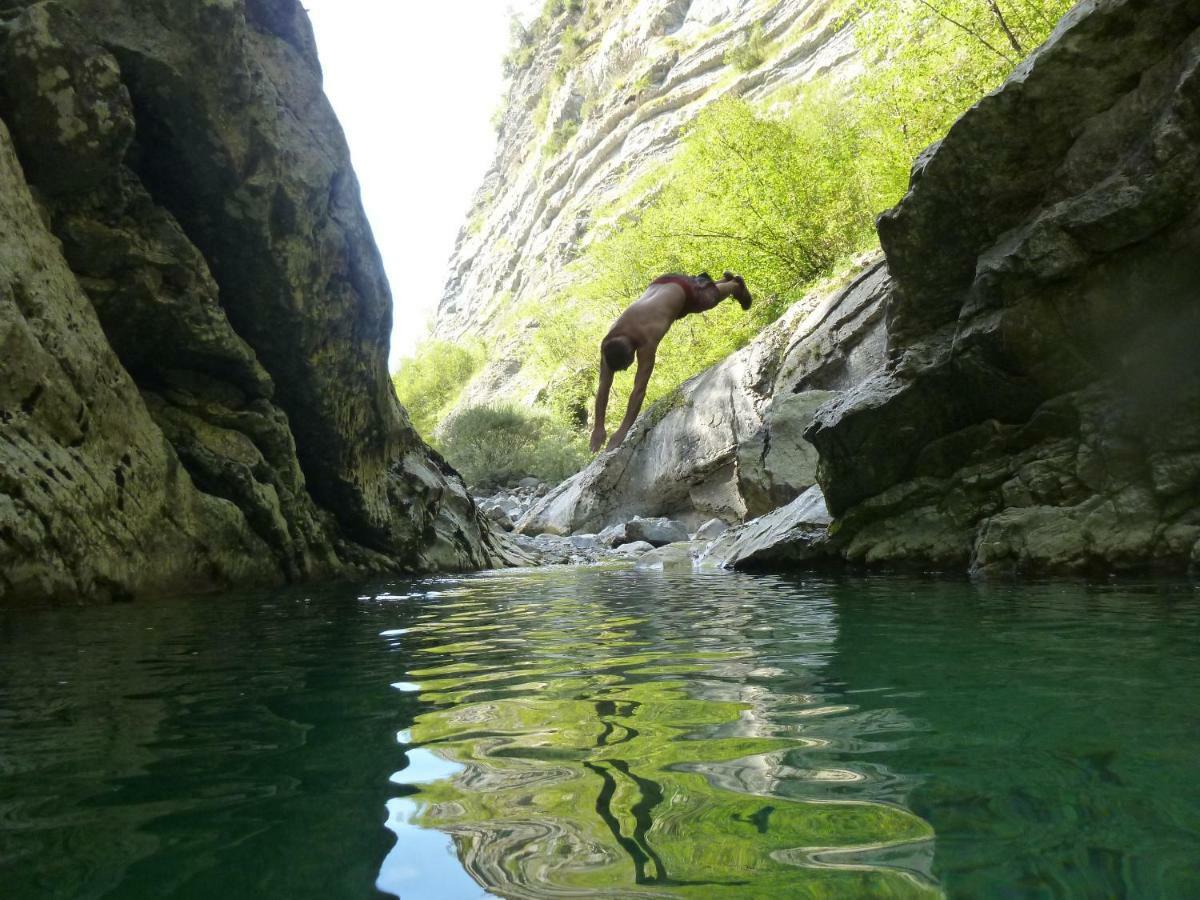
(415, 85)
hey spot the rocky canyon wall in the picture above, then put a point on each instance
(572, 142)
(193, 316)
(1015, 388)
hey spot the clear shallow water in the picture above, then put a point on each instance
(587, 733)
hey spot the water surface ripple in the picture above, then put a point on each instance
(588, 733)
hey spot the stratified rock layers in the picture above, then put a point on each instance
(1040, 409)
(193, 316)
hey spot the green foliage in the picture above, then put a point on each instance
(521, 47)
(783, 199)
(499, 114)
(431, 380)
(559, 137)
(541, 111)
(929, 60)
(750, 53)
(497, 445)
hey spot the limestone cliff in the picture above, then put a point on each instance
(193, 315)
(572, 139)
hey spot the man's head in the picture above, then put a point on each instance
(618, 352)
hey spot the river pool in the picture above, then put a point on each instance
(588, 733)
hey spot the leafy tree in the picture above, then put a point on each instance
(497, 445)
(929, 60)
(431, 380)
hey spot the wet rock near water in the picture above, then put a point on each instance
(655, 531)
(793, 534)
(1040, 407)
(678, 557)
(194, 391)
(580, 549)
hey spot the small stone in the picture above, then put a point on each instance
(635, 548)
(584, 541)
(529, 484)
(612, 536)
(711, 530)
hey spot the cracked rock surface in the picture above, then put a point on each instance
(194, 317)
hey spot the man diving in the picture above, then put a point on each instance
(640, 329)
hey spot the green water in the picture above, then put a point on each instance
(586, 733)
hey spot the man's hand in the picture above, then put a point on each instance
(598, 436)
(617, 437)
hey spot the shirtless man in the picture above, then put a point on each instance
(642, 326)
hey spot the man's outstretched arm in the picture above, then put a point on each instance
(606, 379)
(645, 367)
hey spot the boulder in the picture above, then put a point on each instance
(656, 532)
(796, 533)
(613, 536)
(680, 557)
(1040, 407)
(498, 517)
(635, 548)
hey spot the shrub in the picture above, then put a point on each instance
(750, 53)
(559, 137)
(431, 380)
(497, 445)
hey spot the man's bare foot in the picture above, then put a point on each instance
(742, 293)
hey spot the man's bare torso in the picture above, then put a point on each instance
(648, 318)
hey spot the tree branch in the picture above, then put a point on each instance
(967, 29)
(1012, 38)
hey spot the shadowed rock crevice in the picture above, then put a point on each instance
(200, 188)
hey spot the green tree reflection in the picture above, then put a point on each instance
(576, 780)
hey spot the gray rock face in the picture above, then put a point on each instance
(193, 391)
(793, 534)
(1040, 410)
(655, 532)
(730, 444)
(711, 530)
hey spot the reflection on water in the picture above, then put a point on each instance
(589, 733)
(614, 738)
